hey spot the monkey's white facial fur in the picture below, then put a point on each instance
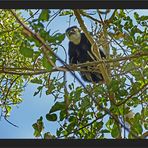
(74, 36)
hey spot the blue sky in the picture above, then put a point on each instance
(33, 107)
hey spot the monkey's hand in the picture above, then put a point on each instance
(71, 65)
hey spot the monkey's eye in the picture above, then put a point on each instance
(72, 32)
(68, 32)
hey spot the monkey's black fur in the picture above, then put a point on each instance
(79, 54)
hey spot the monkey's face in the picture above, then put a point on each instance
(74, 34)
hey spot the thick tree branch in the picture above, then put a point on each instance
(144, 136)
(75, 67)
(94, 45)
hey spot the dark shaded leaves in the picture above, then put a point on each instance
(57, 106)
(36, 80)
(39, 89)
(38, 127)
(51, 117)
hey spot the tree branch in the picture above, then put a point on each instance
(145, 135)
(74, 67)
(129, 97)
(94, 45)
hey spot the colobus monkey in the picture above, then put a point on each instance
(80, 52)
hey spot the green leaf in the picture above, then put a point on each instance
(46, 64)
(130, 135)
(60, 37)
(62, 115)
(36, 80)
(35, 93)
(123, 92)
(8, 110)
(99, 114)
(105, 131)
(115, 131)
(137, 117)
(36, 54)
(121, 110)
(57, 38)
(135, 86)
(145, 48)
(51, 117)
(146, 125)
(71, 86)
(63, 13)
(1, 33)
(57, 106)
(39, 89)
(137, 128)
(51, 39)
(136, 15)
(109, 123)
(59, 131)
(26, 52)
(99, 125)
(143, 18)
(129, 66)
(44, 16)
(85, 102)
(50, 89)
(145, 112)
(48, 136)
(70, 127)
(38, 127)
(72, 119)
(114, 85)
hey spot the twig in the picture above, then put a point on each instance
(144, 135)
(10, 122)
(90, 17)
(75, 131)
(129, 97)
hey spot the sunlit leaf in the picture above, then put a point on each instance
(46, 63)
(44, 16)
(115, 131)
(26, 52)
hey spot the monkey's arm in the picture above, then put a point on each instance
(72, 55)
(90, 48)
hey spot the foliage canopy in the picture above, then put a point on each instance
(28, 54)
